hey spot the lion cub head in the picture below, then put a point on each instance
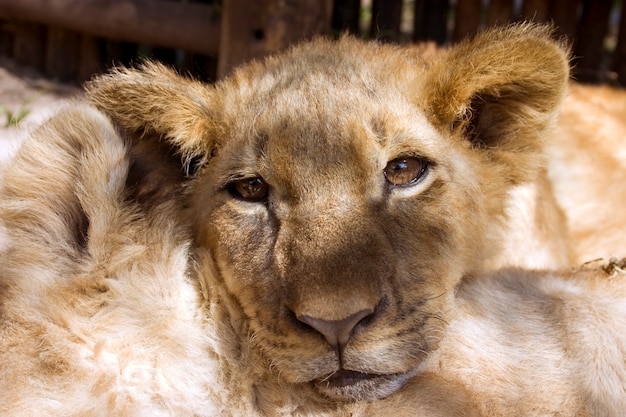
(341, 190)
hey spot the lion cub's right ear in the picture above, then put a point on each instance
(500, 91)
(154, 100)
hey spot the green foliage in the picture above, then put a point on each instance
(13, 118)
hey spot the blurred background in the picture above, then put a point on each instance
(70, 40)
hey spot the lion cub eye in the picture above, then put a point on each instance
(405, 171)
(249, 189)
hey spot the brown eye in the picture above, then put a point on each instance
(405, 171)
(249, 189)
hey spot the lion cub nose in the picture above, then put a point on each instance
(336, 332)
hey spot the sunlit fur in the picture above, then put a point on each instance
(135, 282)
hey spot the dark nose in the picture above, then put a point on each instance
(337, 332)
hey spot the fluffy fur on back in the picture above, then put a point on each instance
(310, 237)
(99, 314)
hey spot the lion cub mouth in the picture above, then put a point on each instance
(343, 378)
(352, 385)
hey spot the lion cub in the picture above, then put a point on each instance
(311, 236)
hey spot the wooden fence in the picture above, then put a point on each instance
(70, 40)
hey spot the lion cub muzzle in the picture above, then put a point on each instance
(344, 294)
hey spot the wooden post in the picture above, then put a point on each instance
(6, 38)
(535, 10)
(467, 20)
(500, 12)
(590, 41)
(346, 15)
(29, 45)
(120, 53)
(619, 57)
(431, 21)
(62, 48)
(255, 28)
(565, 16)
(90, 58)
(386, 19)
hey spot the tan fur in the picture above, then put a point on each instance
(587, 160)
(138, 280)
(86, 280)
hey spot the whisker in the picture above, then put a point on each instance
(329, 376)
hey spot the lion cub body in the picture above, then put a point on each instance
(312, 236)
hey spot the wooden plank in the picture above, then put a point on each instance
(386, 19)
(619, 56)
(430, 22)
(29, 44)
(255, 28)
(190, 26)
(500, 12)
(62, 48)
(346, 16)
(467, 19)
(589, 47)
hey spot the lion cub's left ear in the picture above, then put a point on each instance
(153, 100)
(500, 91)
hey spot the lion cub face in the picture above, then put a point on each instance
(345, 189)
(333, 227)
